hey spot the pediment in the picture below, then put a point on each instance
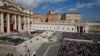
(11, 7)
(14, 8)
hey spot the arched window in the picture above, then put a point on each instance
(5, 4)
(67, 28)
(72, 28)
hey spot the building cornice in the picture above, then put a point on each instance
(3, 9)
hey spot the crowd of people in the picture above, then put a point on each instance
(74, 48)
(70, 48)
(13, 40)
(82, 36)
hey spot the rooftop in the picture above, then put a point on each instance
(72, 12)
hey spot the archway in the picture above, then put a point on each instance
(12, 23)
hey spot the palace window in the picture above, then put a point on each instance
(5, 4)
(63, 28)
(67, 28)
(68, 16)
(50, 27)
(47, 27)
(72, 28)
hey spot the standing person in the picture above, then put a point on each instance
(8, 54)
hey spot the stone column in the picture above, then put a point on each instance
(8, 22)
(24, 23)
(19, 23)
(28, 23)
(87, 29)
(75, 28)
(83, 29)
(2, 22)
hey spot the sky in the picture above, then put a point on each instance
(89, 9)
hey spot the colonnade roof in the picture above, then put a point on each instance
(72, 12)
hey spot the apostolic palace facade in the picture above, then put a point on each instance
(16, 17)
